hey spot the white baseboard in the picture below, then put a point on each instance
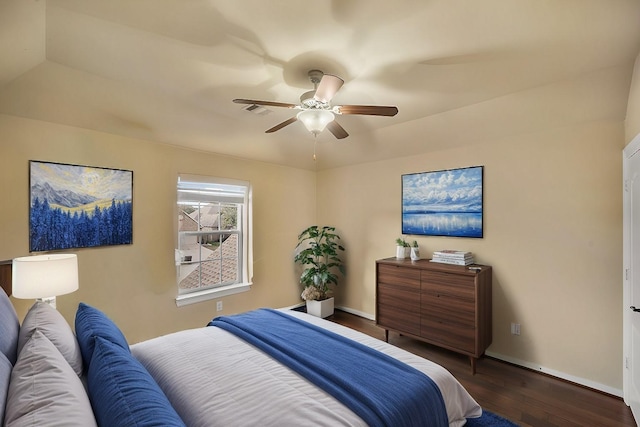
(582, 381)
(357, 313)
(338, 307)
(291, 307)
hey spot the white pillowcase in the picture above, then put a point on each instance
(44, 389)
(52, 324)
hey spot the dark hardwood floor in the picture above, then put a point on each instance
(524, 396)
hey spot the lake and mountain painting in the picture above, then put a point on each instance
(443, 203)
(79, 206)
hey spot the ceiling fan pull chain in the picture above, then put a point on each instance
(315, 142)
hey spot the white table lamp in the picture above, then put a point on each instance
(44, 277)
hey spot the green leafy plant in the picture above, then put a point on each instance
(319, 257)
(401, 242)
(414, 244)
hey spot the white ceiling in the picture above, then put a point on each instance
(459, 71)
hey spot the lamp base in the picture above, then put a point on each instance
(49, 300)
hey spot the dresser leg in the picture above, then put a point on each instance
(473, 364)
(386, 335)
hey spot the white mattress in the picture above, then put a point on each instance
(213, 378)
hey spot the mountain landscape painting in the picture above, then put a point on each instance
(443, 203)
(79, 206)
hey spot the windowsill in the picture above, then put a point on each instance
(208, 294)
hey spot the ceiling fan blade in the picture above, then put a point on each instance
(269, 103)
(369, 110)
(281, 125)
(327, 88)
(337, 130)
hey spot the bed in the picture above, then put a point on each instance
(206, 376)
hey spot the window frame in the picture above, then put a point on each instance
(201, 186)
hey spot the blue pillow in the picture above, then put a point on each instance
(10, 328)
(92, 323)
(123, 393)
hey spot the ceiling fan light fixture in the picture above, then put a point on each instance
(315, 120)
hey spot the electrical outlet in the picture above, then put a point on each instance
(515, 329)
(219, 306)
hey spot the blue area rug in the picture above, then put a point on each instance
(489, 419)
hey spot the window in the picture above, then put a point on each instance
(213, 257)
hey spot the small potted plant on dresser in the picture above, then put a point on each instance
(402, 248)
(317, 253)
(415, 251)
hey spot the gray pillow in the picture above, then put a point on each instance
(5, 377)
(44, 387)
(52, 324)
(10, 327)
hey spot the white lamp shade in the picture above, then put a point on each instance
(315, 120)
(44, 276)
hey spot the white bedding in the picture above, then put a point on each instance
(213, 378)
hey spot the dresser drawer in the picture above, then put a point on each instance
(398, 319)
(443, 308)
(449, 334)
(443, 284)
(400, 298)
(398, 276)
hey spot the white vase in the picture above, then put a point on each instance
(415, 254)
(322, 308)
(401, 252)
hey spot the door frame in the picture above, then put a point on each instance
(632, 149)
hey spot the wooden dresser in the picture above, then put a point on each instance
(5, 275)
(445, 305)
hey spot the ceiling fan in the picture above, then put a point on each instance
(316, 109)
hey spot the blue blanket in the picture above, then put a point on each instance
(380, 389)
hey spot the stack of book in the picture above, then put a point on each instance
(453, 257)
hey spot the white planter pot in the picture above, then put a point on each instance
(322, 308)
(415, 254)
(402, 252)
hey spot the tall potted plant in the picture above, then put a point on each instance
(318, 254)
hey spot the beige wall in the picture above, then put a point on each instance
(553, 226)
(135, 284)
(553, 234)
(632, 122)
